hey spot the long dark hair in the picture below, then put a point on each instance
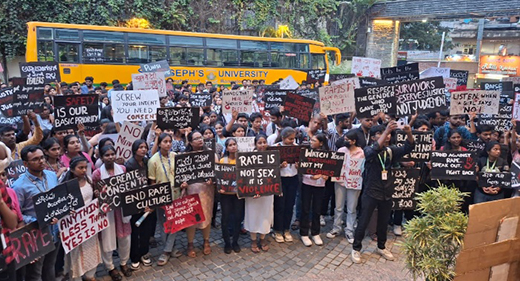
(104, 141)
(136, 144)
(105, 149)
(189, 148)
(48, 143)
(74, 162)
(287, 131)
(226, 152)
(323, 139)
(447, 145)
(66, 141)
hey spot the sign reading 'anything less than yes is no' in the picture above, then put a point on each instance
(178, 117)
(454, 165)
(110, 189)
(337, 99)
(138, 105)
(258, 174)
(150, 81)
(237, 100)
(127, 136)
(82, 225)
(406, 182)
(480, 101)
(71, 110)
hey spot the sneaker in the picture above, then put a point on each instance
(355, 256)
(398, 230)
(306, 241)
(288, 237)
(322, 221)
(135, 265)
(350, 238)
(146, 260)
(278, 237)
(317, 240)
(385, 254)
(333, 233)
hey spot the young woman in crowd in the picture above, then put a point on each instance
(102, 142)
(283, 205)
(230, 204)
(206, 192)
(72, 149)
(209, 134)
(205, 119)
(219, 128)
(83, 260)
(52, 149)
(238, 130)
(161, 169)
(454, 142)
(117, 235)
(312, 196)
(140, 239)
(348, 186)
(259, 213)
(491, 164)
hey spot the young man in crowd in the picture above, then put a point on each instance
(256, 125)
(89, 82)
(454, 122)
(276, 120)
(8, 137)
(363, 131)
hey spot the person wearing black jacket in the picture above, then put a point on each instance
(380, 157)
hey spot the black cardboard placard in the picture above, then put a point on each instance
(372, 100)
(421, 96)
(74, 109)
(501, 121)
(461, 76)
(299, 107)
(157, 66)
(515, 175)
(48, 71)
(274, 98)
(200, 100)
(178, 117)
(14, 170)
(136, 200)
(6, 101)
(111, 189)
(370, 82)
(336, 77)
(29, 243)
(288, 153)
(313, 94)
(423, 145)
(27, 97)
(406, 182)
(258, 174)
(226, 177)
(474, 146)
(502, 180)
(316, 75)
(194, 167)
(318, 162)
(400, 73)
(454, 165)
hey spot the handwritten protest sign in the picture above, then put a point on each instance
(182, 213)
(157, 66)
(237, 100)
(137, 105)
(316, 75)
(401, 73)
(245, 144)
(274, 98)
(135, 201)
(423, 145)
(110, 189)
(299, 107)
(288, 153)
(200, 100)
(462, 78)
(84, 224)
(57, 202)
(318, 162)
(501, 121)
(178, 117)
(515, 175)
(14, 170)
(337, 99)
(40, 72)
(150, 81)
(455, 165)
(194, 167)
(450, 83)
(26, 96)
(288, 83)
(226, 177)
(312, 94)
(336, 77)
(127, 136)
(367, 67)
(443, 72)
(6, 101)
(351, 173)
(72, 110)
(353, 81)
(465, 102)
(258, 174)
(502, 180)
(29, 243)
(421, 96)
(372, 100)
(406, 182)
(369, 82)
(474, 145)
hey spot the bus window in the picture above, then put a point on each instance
(45, 51)
(185, 41)
(318, 61)
(45, 33)
(115, 53)
(157, 53)
(283, 47)
(143, 38)
(137, 54)
(194, 56)
(93, 52)
(103, 36)
(67, 34)
(284, 60)
(254, 59)
(221, 43)
(218, 57)
(254, 45)
(68, 52)
(177, 56)
(304, 61)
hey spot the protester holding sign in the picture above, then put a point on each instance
(380, 157)
(8, 137)
(313, 188)
(455, 122)
(491, 164)
(117, 235)
(9, 222)
(34, 181)
(206, 192)
(140, 239)
(161, 169)
(82, 261)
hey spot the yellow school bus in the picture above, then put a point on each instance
(107, 53)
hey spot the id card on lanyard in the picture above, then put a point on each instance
(384, 172)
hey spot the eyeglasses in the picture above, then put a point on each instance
(197, 138)
(37, 159)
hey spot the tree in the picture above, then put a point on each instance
(425, 35)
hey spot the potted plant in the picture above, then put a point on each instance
(433, 240)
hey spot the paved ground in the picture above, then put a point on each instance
(287, 261)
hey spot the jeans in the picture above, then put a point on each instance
(35, 271)
(383, 215)
(398, 216)
(481, 197)
(328, 196)
(231, 205)
(123, 249)
(343, 194)
(140, 241)
(283, 205)
(168, 239)
(312, 197)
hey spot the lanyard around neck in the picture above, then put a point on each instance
(162, 163)
(382, 161)
(44, 182)
(492, 167)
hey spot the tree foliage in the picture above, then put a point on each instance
(423, 36)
